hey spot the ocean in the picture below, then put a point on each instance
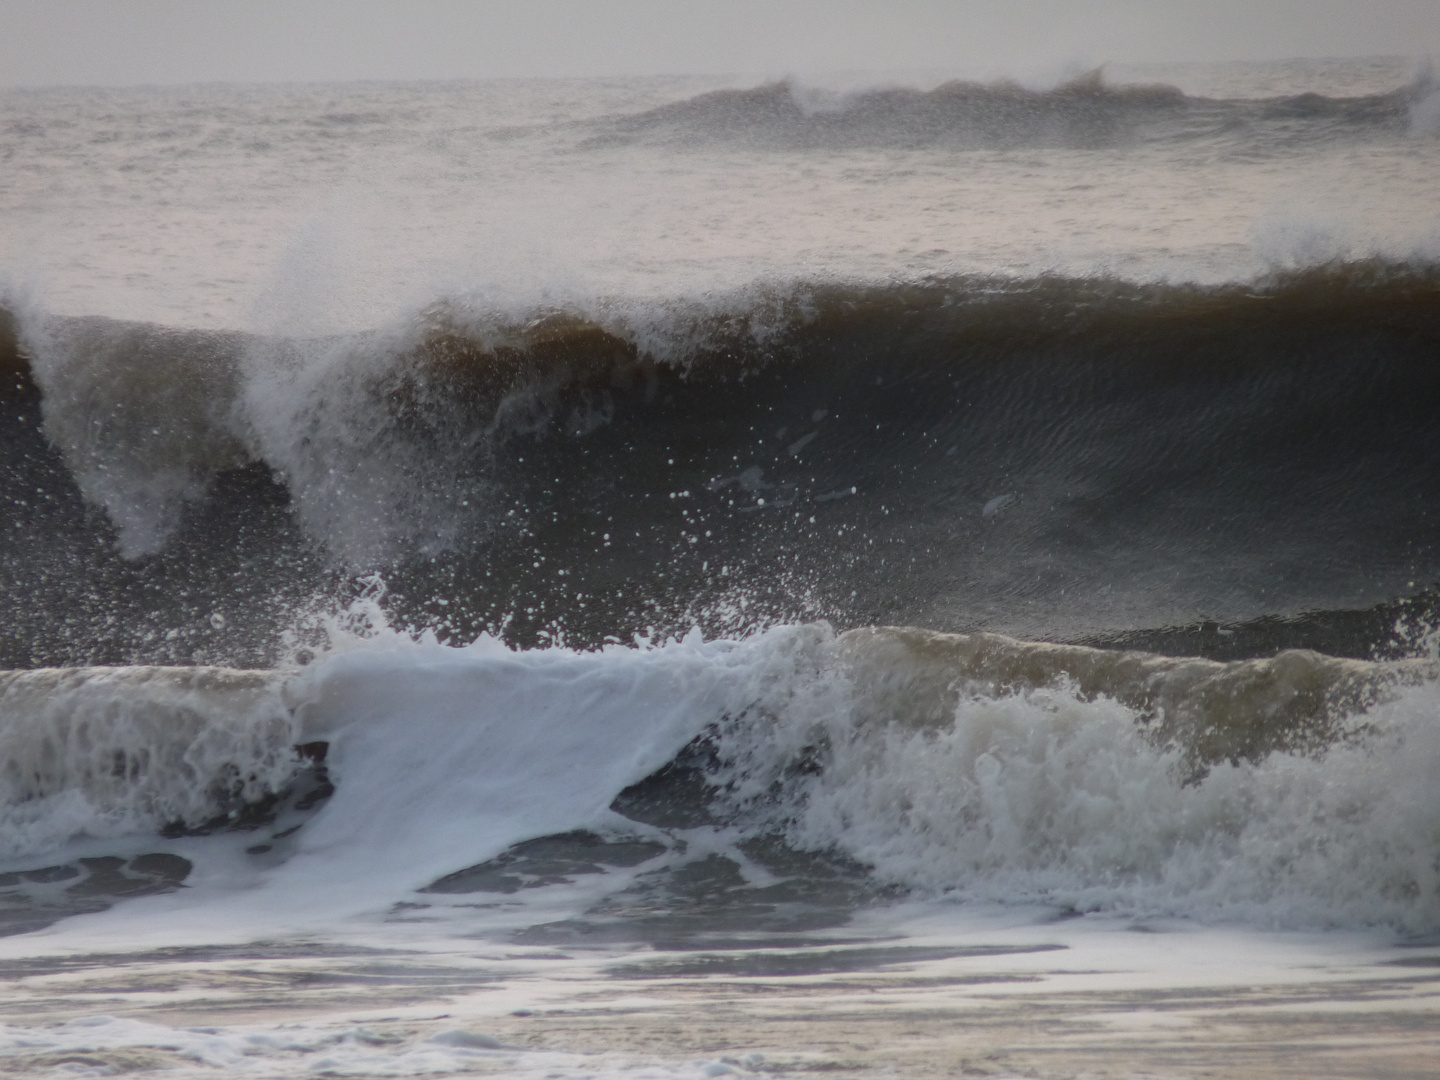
(682, 577)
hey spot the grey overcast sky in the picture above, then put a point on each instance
(118, 42)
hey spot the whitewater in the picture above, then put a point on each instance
(684, 577)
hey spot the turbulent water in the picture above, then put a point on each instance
(713, 510)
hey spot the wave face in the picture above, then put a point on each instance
(1082, 113)
(1041, 458)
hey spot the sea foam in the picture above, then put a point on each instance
(938, 776)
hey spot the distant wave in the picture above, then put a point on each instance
(1085, 112)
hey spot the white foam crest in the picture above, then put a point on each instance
(322, 414)
(142, 415)
(1044, 796)
(1034, 796)
(106, 752)
(443, 757)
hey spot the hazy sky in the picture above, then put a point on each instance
(166, 41)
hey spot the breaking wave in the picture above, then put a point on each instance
(147, 416)
(977, 766)
(975, 453)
